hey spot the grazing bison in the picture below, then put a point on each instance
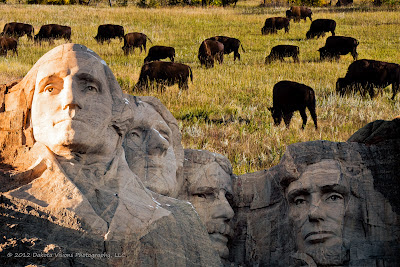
(273, 24)
(6, 44)
(291, 96)
(338, 45)
(209, 51)
(320, 26)
(164, 73)
(158, 52)
(134, 39)
(281, 51)
(17, 29)
(299, 12)
(365, 74)
(106, 32)
(50, 32)
(230, 45)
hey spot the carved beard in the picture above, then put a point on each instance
(333, 255)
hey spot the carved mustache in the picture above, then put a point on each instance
(220, 228)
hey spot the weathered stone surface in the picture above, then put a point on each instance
(377, 131)
(369, 228)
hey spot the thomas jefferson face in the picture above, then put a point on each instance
(149, 151)
(317, 209)
(208, 193)
(72, 104)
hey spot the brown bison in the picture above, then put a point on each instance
(106, 32)
(50, 32)
(209, 51)
(338, 45)
(133, 40)
(298, 12)
(158, 52)
(164, 73)
(17, 29)
(230, 45)
(271, 25)
(6, 44)
(281, 51)
(365, 74)
(320, 26)
(289, 97)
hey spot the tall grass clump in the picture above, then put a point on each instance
(225, 109)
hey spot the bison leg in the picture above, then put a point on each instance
(304, 117)
(354, 54)
(313, 115)
(333, 33)
(286, 29)
(296, 58)
(183, 85)
(395, 88)
(236, 55)
(287, 117)
(172, 58)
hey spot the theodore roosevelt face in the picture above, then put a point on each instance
(72, 104)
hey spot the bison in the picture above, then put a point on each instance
(365, 74)
(134, 39)
(320, 26)
(164, 73)
(50, 32)
(106, 32)
(299, 12)
(273, 24)
(338, 45)
(17, 29)
(281, 51)
(209, 51)
(230, 45)
(291, 96)
(158, 52)
(6, 44)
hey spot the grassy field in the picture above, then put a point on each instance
(225, 109)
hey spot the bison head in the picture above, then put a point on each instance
(341, 85)
(276, 115)
(289, 14)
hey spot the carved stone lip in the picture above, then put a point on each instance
(318, 237)
(217, 237)
(67, 119)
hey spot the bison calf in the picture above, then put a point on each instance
(164, 73)
(281, 51)
(299, 12)
(106, 32)
(289, 97)
(209, 51)
(365, 74)
(320, 26)
(6, 44)
(271, 25)
(230, 45)
(133, 40)
(338, 45)
(158, 52)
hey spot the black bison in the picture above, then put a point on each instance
(50, 32)
(365, 74)
(164, 73)
(273, 24)
(320, 26)
(281, 51)
(209, 51)
(158, 52)
(106, 32)
(6, 44)
(291, 96)
(230, 45)
(17, 29)
(133, 40)
(299, 12)
(338, 45)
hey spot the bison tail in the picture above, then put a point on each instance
(149, 39)
(191, 74)
(242, 47)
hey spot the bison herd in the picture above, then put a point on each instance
(288, 96)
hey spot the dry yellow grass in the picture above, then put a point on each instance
(225, 109)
